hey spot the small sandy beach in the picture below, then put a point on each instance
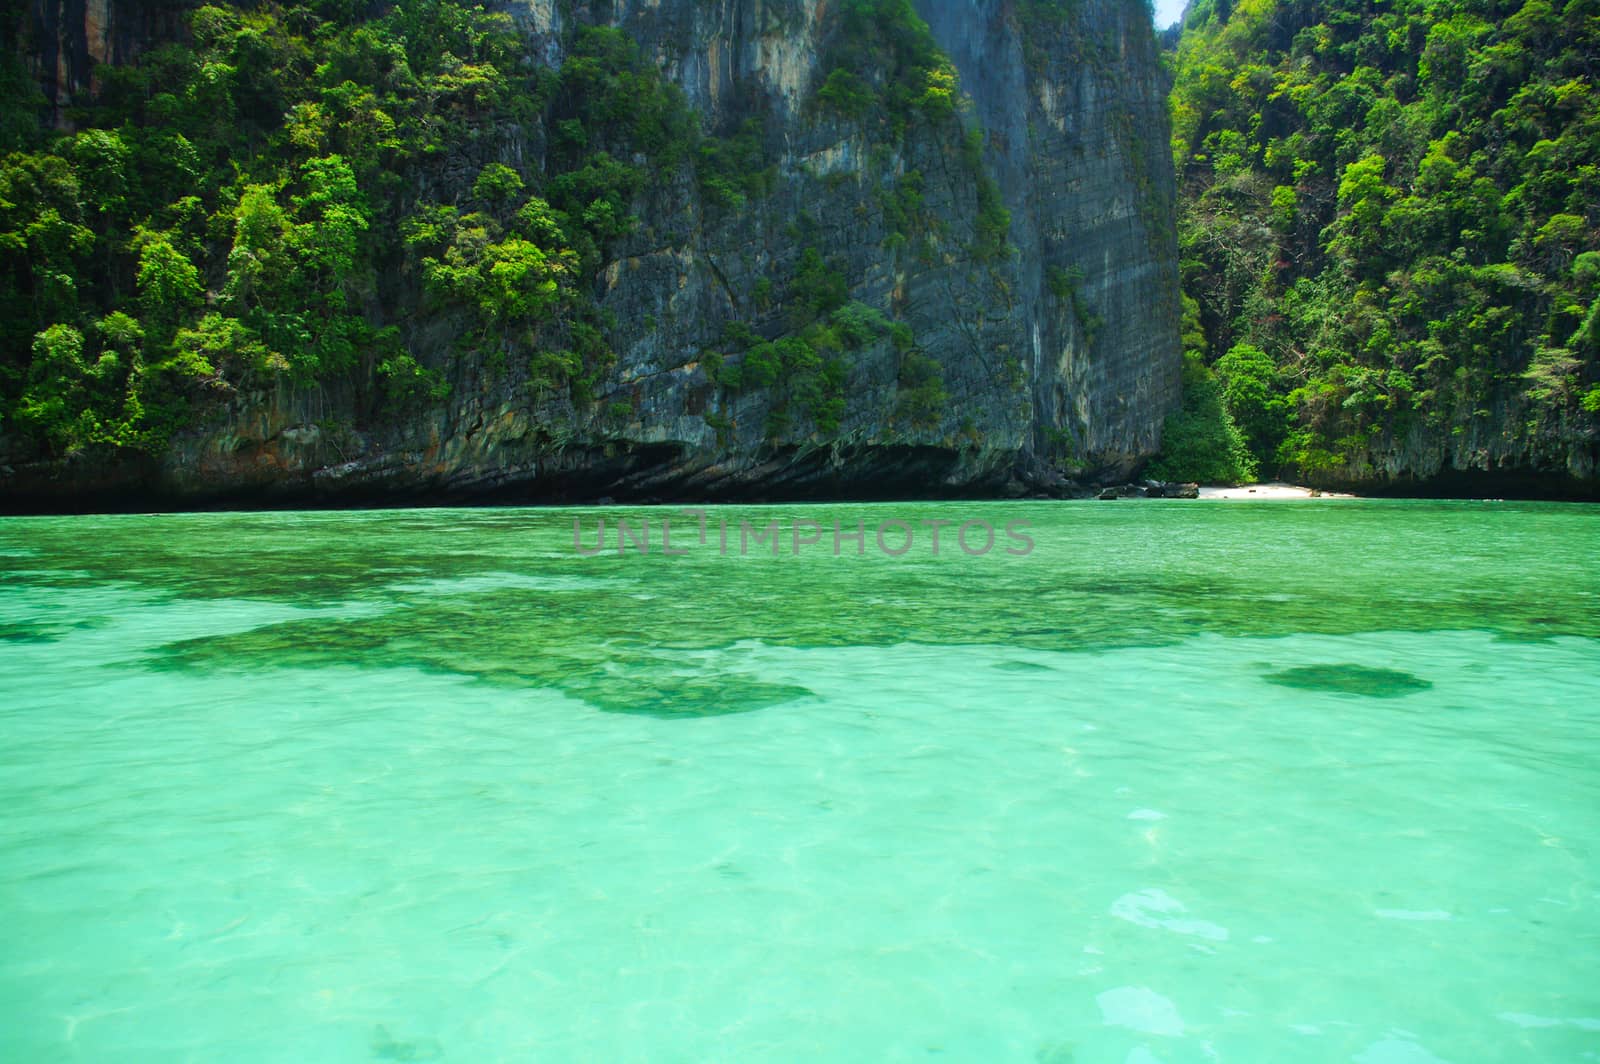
(1275, 489)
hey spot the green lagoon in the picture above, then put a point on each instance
(1187, 781)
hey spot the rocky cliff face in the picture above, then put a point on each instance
(1558, 459)
(64, 40)
(1053, 358)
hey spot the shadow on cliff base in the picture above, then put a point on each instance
(1523, 484)
(131, 482)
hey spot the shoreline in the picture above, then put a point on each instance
(96, 503)
(1272, 489)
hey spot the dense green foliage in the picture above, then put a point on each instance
(1201, 441)
(884, 67)
(276, 199)
(1391, 218)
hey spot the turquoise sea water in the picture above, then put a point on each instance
(1226, 781)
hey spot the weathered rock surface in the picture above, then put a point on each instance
(66, 39)
(1481, 454)
(1040, 390)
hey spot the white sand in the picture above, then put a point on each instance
(1276, 489)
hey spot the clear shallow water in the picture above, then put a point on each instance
(1189, 782)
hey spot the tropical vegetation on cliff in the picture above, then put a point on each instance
(1390, 228)
(290, 194)
(237, 210)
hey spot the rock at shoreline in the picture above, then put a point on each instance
(1158, 489)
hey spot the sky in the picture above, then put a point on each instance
(1168, 12)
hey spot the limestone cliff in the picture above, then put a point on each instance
(1053, 357)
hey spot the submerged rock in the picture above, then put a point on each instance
(1351, 679)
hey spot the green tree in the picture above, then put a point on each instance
(169, 284)
(1200, 443)
(1254, 399)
